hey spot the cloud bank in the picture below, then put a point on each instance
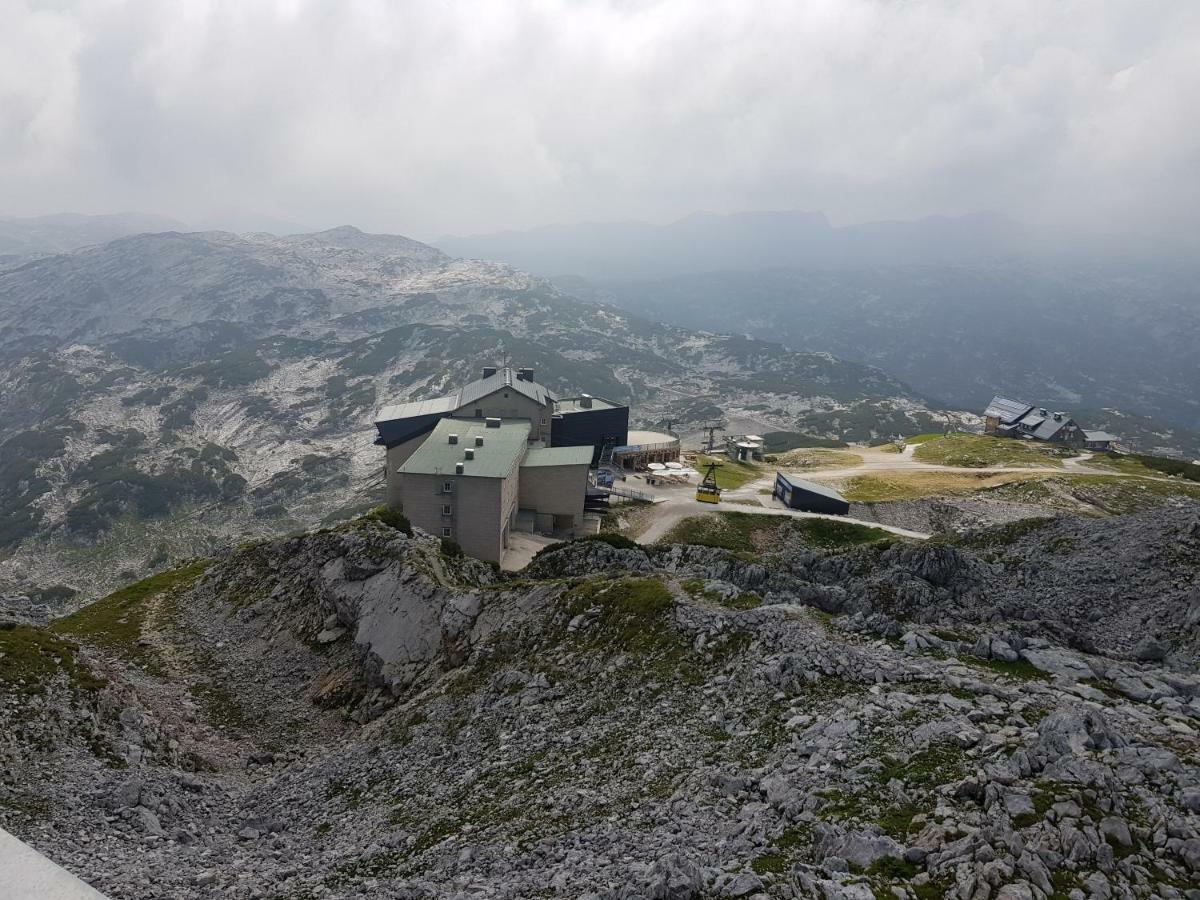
(461, 115)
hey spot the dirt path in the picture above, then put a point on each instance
(678, 503)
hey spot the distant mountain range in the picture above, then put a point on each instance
(753, 241)
(37, 235)
(168, 393)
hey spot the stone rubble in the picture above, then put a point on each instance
(350, 713)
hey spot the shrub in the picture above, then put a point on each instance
(451, 548)
(393, 518)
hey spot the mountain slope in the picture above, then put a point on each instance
(1096, 336)
(887, 721)
(169, 393)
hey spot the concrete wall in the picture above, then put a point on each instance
(481, 508)
(554, 490)
(508, 403)
(393, 460)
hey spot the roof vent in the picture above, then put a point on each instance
(1042, 412)
(459, 468)
(489, 371)
(454, 438)
(493, 422)
(479, 440)
(470, 453)
(585, 401)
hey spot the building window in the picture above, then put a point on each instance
(447, 532)
(545, 421)
(446, 509)
(447, 487)
(479, 413)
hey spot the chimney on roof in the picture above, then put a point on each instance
(525, 374)
(489, 371)
(492, 422)
(1058, 417)
(585, 401)
(469, 453)
(1042, 412)
(479, 440)
(459, 468)
(454, 439)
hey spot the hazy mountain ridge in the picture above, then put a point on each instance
(707, 242)
(1086, 337)
(38, 235)
(173, 392)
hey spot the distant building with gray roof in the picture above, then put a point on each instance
(1017, 419)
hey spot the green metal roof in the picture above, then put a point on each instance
(501, 449)
(559, 456)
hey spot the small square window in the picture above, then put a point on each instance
(446, 532)
(479, 413)
(445, 509)
(447, 487)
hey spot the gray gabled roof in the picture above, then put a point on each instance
(502, 447)
(436, 406)
(804, 484)
(1007, 411)
(505, 377)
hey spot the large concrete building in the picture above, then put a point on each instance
(502, 454)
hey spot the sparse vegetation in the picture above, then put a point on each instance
(974, 451)
(114, 623)
(748, 533)
(911, 485)
(731, 474)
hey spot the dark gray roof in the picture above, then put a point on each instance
(1007, 411)
(437, 406)
(797, 482)
(1046, 428)
(505, 377)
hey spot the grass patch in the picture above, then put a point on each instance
(391, 517)
(1120, 495)
(974, 451)
(750, 533)
(902, 485)
(782, 441)
(731, 474)
(1021, 670)
(819, 459)
(744, 600)
(769, 864)
(1003, 535)
(1147, 466)
(115, 622)
(30, 658)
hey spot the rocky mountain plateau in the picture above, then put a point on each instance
(353, 712)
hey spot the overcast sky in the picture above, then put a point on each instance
(460, 117)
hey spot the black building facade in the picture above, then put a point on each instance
(578, 424)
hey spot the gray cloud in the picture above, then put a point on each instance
(461, 115)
